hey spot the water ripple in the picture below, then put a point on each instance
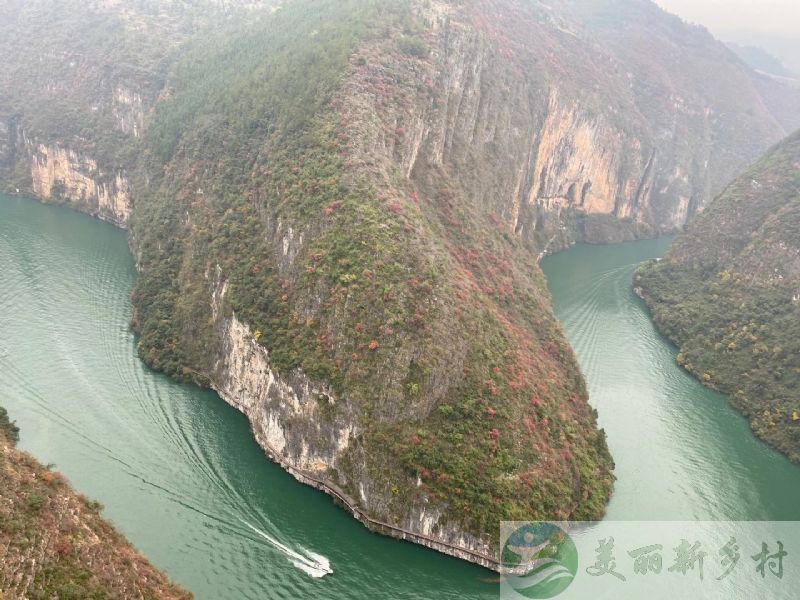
(176, 468)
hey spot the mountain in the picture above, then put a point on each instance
(55, 544)
(761, 60)
(728, 295)
(783, 46)
(337, 208)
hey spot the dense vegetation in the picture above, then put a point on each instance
(55, 544)
(727, 294)
(8, 429)
(247, 105)
(260, 147)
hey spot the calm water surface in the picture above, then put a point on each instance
(681, 452)
(180, 475)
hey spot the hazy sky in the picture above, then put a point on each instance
(772, 24)
(759, 16)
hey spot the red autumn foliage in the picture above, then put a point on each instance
(62, 548)
(334, 206)
(517, 382)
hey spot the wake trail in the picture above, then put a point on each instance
(309, 562)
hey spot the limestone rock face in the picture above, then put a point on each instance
(128, 111)
(297, 423)
(554, 119)
(59, 175)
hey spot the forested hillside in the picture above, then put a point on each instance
(337, 209)
(728, 291)
(346, 272)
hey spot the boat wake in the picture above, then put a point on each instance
(311, 563)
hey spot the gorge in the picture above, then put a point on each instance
(337, 211)
(727, 294)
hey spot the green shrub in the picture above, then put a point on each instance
(8, 428)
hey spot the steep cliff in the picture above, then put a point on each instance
(404, 350)
(337, 208)
(580, 120)
(60, 175)
(728, 294)
(77, 83)
(55, 544)
(597, 121)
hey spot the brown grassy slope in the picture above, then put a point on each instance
(55, 544)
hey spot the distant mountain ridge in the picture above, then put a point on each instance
(761, 60)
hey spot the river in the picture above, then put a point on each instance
(180, 475)
(681, 452)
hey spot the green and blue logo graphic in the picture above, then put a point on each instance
(542, 557)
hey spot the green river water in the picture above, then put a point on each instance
(180, 475)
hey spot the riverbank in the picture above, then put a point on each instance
(681, 452)
(54, 543)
